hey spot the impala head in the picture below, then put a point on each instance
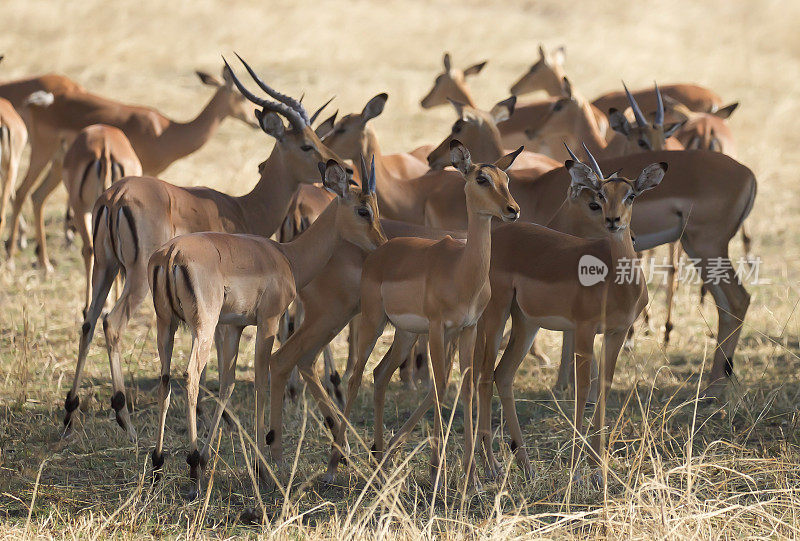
(297, 145)
(486, 183)
(643, 135)
(609, 200)
(350, 136)
(357, 218)
(476, 129)
(568, 115)
(237, 106)
(704, 131)
(451, 84)
(546, 74)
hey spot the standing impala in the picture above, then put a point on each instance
(157, 140)
(554, 296)
(13, 136)
(139, 214)
(99, 156)
(210, 279)
(438, 288)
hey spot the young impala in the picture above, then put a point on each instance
(99, 156)
(56, 117)
(139, 214)
(552, 296)
(206, 280)
(438, 288)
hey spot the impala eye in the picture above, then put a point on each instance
(629, 199)
(643, 144)
(594, 206)
(306, 148)
(482, 180)
(364, 212)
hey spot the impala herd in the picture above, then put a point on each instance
(364, 238)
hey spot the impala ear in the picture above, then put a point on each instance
(208, 79)
(271, 123)
(670, 130)
(460, 157)
(326, 126)
(475, 69)
(726, 111)
(582, 176)
(559, 56)
(503, 109)
(618, 122)
(650, 177)
(566, 88)
(446, 61)
(374, 107)
(458, 106)
(506, 161)
(334, 178)
(226, 76)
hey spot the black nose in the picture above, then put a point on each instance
(612, 221)
(511, 209)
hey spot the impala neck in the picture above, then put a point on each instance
(182, 138)
(267, 203)
(311, 250)
(473, 269)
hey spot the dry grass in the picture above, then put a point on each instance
(680, 469)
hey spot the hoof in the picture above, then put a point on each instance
(328, 478)
(192, 495)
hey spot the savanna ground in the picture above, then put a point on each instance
(679, 468)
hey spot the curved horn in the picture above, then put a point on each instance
(659, 108)
(571, 154)
(318, 111)
(283, 98)
(593, 163)
(640, 120)
(371, 180)
(291, 115)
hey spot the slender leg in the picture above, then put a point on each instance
(166, 336)
(227, 338)
(490, 337)
(439, 362)
(43, 149)
(114, 325)
(352, 341)
(331, 380)
(566, 366)
(584, 342)
(747, 242)
(370, 328)
(613, 341)
(9, 181)
(264, 341)
(732, 302)
(672, 284)
(198, 358)
(39, 196)
(102, 277)
(84, 226)
(397, 354)
(523, 333)
(466, 349)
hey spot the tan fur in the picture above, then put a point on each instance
(13, 136)
(99, 156)
(157, 140)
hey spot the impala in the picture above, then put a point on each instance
(13, 136)
(157, 140)
(709, 131)
(99, 156)
(697, 98)
(478, 131)
(139, 214)
(439, 288)
(210, 279)
(550, 296)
